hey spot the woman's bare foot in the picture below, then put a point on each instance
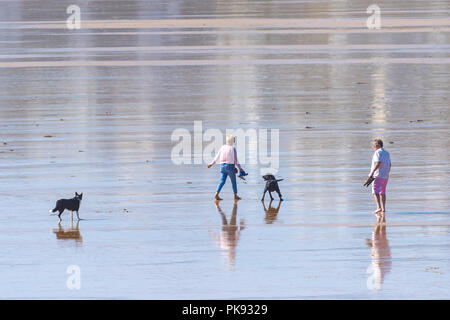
(236, 197)
(377, 213)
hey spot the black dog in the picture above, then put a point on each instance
(271, 186)
(69, 204)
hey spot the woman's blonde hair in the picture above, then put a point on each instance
(230, 140)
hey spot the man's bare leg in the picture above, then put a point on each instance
(378, 202)
(383, 208)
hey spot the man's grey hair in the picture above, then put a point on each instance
(379, 142)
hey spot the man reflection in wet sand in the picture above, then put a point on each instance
(271, 212)
(229, 236)
(381, 257)
(72, 233)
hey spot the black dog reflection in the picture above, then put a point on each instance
(71, 233)
(229, 236)
(271, 212)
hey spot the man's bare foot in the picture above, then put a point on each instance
(377, 212)
(216, 197)
(236, 197)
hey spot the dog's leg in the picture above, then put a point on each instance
(59, 215)
(78, 217)
(270, 194)
(264, 194)
(279, 193)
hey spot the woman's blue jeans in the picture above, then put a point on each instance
(227, 170)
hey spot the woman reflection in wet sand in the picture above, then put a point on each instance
(228, 160)
(229, 236)
(381, 257)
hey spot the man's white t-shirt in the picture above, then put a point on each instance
(382, 156)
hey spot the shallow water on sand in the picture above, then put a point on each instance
(93, 110)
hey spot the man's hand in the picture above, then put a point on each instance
(209, 165)
(368, 181)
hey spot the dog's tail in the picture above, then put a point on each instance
(54, 210)
(279, 180)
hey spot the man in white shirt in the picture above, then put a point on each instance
(381, 167)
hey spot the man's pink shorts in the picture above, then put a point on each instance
(379, 186)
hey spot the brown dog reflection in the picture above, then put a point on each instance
(229, 236)
(381, 257)
(71, 233)
(271, 212)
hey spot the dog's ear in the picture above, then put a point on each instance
(81, 195)
(76, 194)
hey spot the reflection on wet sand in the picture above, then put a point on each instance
(95, 109)
(71, 233)
(271, 212)
(229, 236)
(381, 258)
(247, 23)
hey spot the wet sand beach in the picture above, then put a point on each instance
(93, 111)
